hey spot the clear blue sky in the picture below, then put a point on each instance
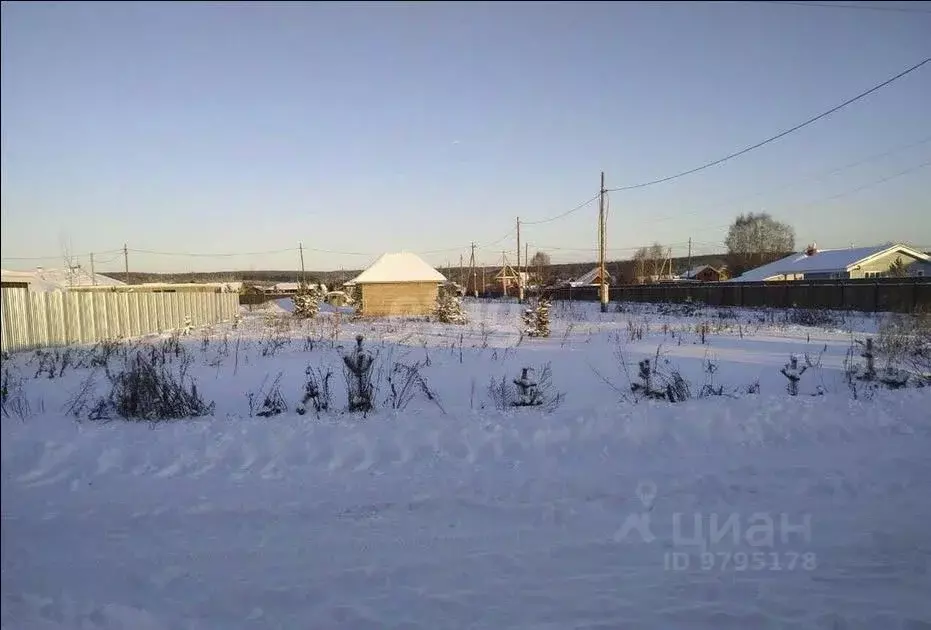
(211, 128)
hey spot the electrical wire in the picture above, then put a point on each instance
(564, 214)
(845, 193)
(808, 178)
(863, 7)
(217, 255)
(59, 256)
(778, 136)
(869, 185)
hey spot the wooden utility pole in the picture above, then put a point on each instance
(471, 283)
(603, 284)
(520, 285)
(689, 267)
(300, 248)
(504, 273)
(93, 275)
(483, 279)
(126, 261)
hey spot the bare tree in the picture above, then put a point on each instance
(540, 259)
(757, 239)
(649, 263)
(657, 261)
(640, 264)
(71, 262)
(541, 262)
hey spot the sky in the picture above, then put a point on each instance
(198, 130)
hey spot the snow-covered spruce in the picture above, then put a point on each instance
(358, 372)
(536, 321)
(307, 301)
(449, 309)
(793, 373)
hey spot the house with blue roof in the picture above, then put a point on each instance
(841, 264)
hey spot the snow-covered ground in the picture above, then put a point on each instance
(742, 511)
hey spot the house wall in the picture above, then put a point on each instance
(708, 275)
(402, 298)
(881, 265)
(832, 275)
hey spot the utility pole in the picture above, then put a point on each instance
(300, 248)
(520, 285)
(93, 275)
(689, 267)
(126, 261)
(472, 284)
(461, 281)
(504, 273)
(603, 293)
(527, 258)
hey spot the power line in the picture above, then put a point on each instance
(807, 178)
(217, 255)
(59, 256)
(845, 193)
(782, 134)
(564, 214)
(870, 185)
(863, 7)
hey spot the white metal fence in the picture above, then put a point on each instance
(61, 318)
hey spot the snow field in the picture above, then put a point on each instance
(473, 517)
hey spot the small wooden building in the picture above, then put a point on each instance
(399, 284)
(592, 278)
(704, 273)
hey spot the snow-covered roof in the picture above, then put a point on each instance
(693, 273)
(398, 267)
(58, 279)
(824, 261)
(590, 277)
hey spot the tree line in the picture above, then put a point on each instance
(753, 239)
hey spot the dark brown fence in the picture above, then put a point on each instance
(901, 295)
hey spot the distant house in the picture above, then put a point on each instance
(398, 284)
(291, 288)
(852, 263)
(592, 278)
(704, 273)
(157, 287)
(507, 278)
(42, 279)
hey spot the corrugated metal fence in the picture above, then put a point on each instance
(903, 295)
(61, 318)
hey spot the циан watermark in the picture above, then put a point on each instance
(716, 542)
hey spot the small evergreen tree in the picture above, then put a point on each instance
(307, 301)
(449, 309)
(358, 372)
(897, 268)
(536, 321)
(543, 318)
